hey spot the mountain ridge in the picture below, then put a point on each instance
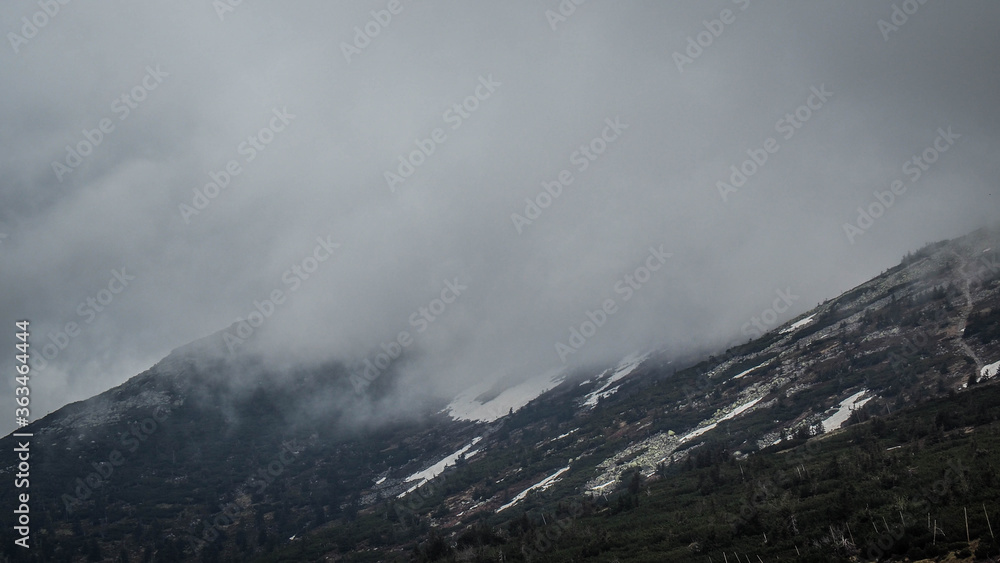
(436, 476)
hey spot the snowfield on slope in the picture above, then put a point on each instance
(466, 407)
(433, 471)
(846, 408)
(624, 369)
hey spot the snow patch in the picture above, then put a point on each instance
(561, 436)
(626, 367)
(731, 414)
(741, 409)
(769, 440)
(990, 370)
(742, 373)
(466, 407)
(796, 325)
(433, 471)
(540, 486)
(847, 407)
(698, 432)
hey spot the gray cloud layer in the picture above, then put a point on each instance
(207, 84)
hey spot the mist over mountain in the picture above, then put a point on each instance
(530, 156)
(824, 424)
(394, 280)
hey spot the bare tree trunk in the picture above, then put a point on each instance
(967, 540)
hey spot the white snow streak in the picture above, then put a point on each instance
(541, 486)
(626, 367)
(742, 373)
(797, 324)
(433, 471)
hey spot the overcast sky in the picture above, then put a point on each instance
(184, 90)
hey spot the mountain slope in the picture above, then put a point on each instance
(220, 459)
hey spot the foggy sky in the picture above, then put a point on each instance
(544, 92)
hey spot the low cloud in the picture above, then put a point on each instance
(479, 110)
